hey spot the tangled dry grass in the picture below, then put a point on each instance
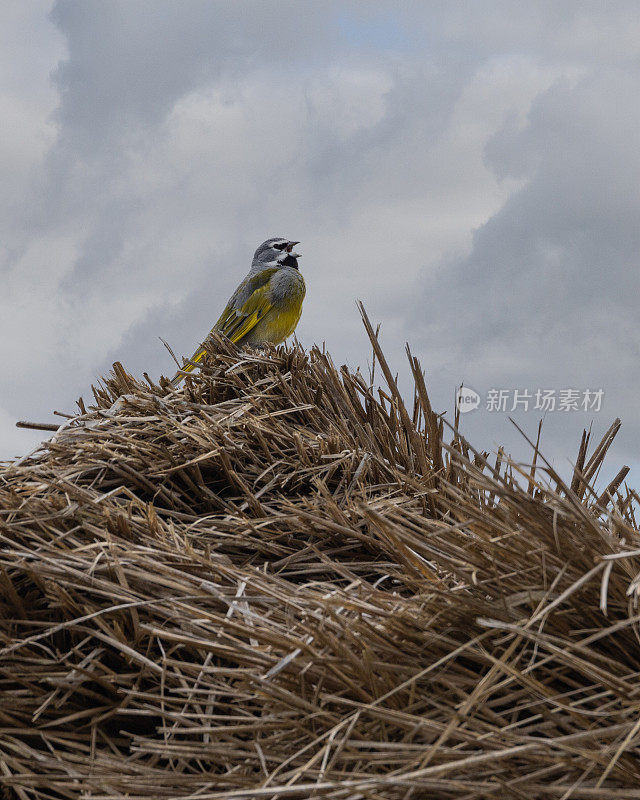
(277, 582)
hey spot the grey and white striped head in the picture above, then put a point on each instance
(276, 250)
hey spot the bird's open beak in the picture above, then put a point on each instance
(290, 247)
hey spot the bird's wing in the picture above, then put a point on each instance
(237, 322)
(234, 322)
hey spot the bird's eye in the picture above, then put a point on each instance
(280, 245)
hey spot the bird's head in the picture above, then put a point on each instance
(276, 250)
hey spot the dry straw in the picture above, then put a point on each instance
(278, 582)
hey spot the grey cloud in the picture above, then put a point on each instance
(129, 61)
(548, 294)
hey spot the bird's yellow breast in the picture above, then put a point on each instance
(280, 321)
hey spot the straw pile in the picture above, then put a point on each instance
(278, 582)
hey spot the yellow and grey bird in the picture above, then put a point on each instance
(266, 306)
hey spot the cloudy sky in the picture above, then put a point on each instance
(469, 170)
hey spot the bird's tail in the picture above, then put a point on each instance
(192, 364)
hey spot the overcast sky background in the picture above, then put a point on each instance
(469, 170)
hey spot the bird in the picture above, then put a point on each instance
(266, 306)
